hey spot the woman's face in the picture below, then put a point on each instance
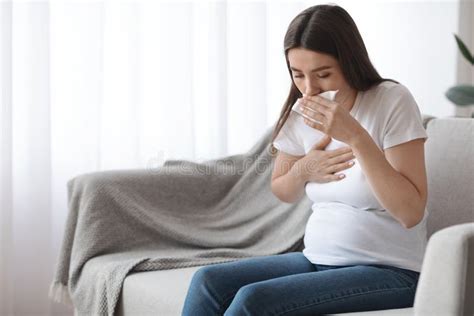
(314, 73)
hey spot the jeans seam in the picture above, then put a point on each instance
(343, 297)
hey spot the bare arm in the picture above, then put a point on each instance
(397, 177)
(287, 181)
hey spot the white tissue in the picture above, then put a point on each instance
(330, 95)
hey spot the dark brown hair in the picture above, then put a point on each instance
(328, 29)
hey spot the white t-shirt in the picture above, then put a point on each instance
(348, 225)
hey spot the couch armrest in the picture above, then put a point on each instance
(445, 286)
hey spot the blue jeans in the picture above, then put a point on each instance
(289, 284)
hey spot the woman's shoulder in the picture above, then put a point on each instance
(386, 95)
(386, 98)
(389, 90)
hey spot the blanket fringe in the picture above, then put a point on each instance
(59, 292)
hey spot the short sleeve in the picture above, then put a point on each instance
(403, 118)
(288, 139)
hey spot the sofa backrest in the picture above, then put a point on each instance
(450, 170)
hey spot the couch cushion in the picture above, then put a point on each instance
(163, 293)
(450, 169)
(155, 292)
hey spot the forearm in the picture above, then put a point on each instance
(394, 191)
(291, 186)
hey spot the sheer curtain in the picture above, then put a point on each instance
(96, 85)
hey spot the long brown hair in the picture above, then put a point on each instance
(328, 29)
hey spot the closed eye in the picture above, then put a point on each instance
(322, 76)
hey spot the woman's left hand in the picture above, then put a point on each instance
(336, 121)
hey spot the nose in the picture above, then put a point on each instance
(312, 92)
(310, 89)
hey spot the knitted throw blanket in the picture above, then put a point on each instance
(179, 215)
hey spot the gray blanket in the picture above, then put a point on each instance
(178, 215)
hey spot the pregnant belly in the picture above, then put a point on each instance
(338, 232)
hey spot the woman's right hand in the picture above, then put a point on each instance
(320, 166)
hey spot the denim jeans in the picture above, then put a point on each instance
(289, 284)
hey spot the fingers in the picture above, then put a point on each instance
(317, 100)
(333, 177)
(340, 158)
(323, 101)
(337, 164)
(314, 124)
(340, 166)
(314, 109)
(314, 115)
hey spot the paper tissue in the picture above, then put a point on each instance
(330, 95)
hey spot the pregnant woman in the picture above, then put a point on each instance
(360, 159)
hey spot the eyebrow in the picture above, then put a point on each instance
(316, 69)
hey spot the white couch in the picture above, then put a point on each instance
(446, 284)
